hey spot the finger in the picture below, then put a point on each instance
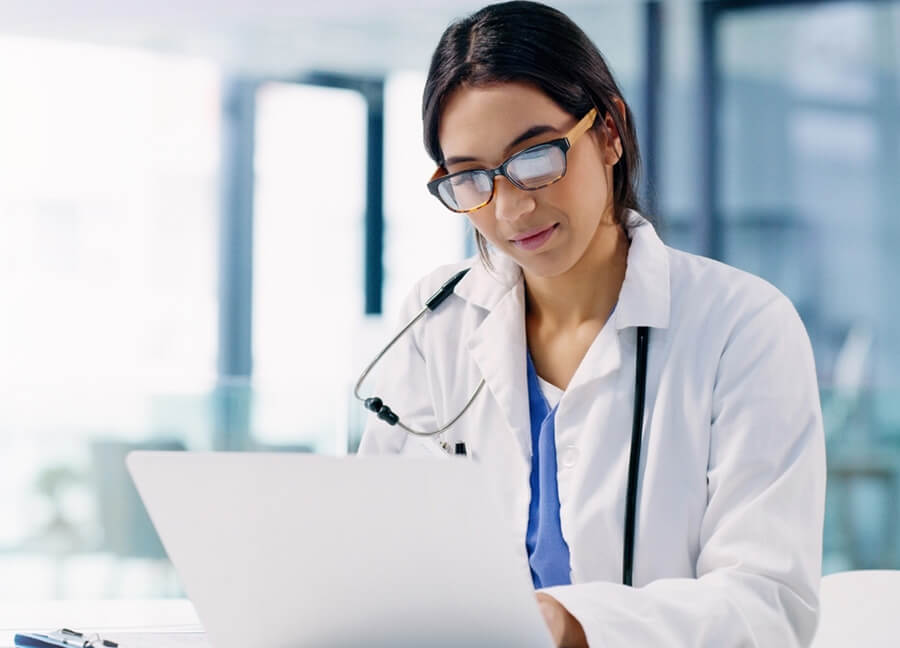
(553, 619)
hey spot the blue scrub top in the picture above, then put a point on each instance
(548, 553)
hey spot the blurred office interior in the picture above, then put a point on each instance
(210, 212)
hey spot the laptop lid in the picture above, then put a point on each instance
(304, 550)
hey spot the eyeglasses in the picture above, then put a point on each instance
(533, 168)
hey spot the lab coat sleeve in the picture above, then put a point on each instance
(401, 382)
(759, 564)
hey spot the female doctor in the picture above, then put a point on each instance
(535, 145)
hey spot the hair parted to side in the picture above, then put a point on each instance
(532, 43)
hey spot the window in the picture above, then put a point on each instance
(308, 261)
(107, 262)
(810, 156)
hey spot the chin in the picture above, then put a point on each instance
(545, 265)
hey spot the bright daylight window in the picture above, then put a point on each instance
(109, 163)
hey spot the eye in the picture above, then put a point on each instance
(538, 166)
(534, 163)
(462, 179)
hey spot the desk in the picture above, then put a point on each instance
(128, 622)
(859, 608)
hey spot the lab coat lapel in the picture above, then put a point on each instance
(498, 347)
(644, 300)
(603, 357)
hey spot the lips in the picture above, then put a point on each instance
(533, 239)
(532, 233)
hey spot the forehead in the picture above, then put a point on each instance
(480, 122)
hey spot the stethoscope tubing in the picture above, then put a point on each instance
(376, 405)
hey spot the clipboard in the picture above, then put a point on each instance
(64, 638)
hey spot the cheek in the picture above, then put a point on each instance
(573, 195)
(587, 192)
(581, 196)
(483, 220)
(586, 172)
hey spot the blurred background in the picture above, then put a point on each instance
(210, 212)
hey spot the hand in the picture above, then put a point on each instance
(564, 628)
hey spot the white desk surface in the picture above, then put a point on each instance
(859, 608)
(105, 617)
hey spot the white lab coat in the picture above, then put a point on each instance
(732, 473)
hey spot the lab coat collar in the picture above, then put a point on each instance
(645, 296)
(485, 288)
(644, 299)
(499, 344)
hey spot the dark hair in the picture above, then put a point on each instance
(532, 43)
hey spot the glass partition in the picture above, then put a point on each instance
(810, 156)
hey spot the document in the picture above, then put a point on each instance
(160, 639)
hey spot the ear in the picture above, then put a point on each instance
(612, 140)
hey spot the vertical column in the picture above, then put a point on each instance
(373, 91)
(232, 393)
(708, 227)
(653, 26)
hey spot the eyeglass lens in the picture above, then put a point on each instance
(531, 169)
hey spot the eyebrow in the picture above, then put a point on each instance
(534, 131)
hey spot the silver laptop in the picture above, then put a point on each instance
(286, 550)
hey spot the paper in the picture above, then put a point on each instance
(160, 639)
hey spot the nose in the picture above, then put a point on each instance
(510, 202)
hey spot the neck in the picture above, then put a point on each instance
(587, 291)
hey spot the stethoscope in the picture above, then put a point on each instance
(386, 414)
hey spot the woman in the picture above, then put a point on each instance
(535, 145)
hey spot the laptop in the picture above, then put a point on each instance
(287, 550)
